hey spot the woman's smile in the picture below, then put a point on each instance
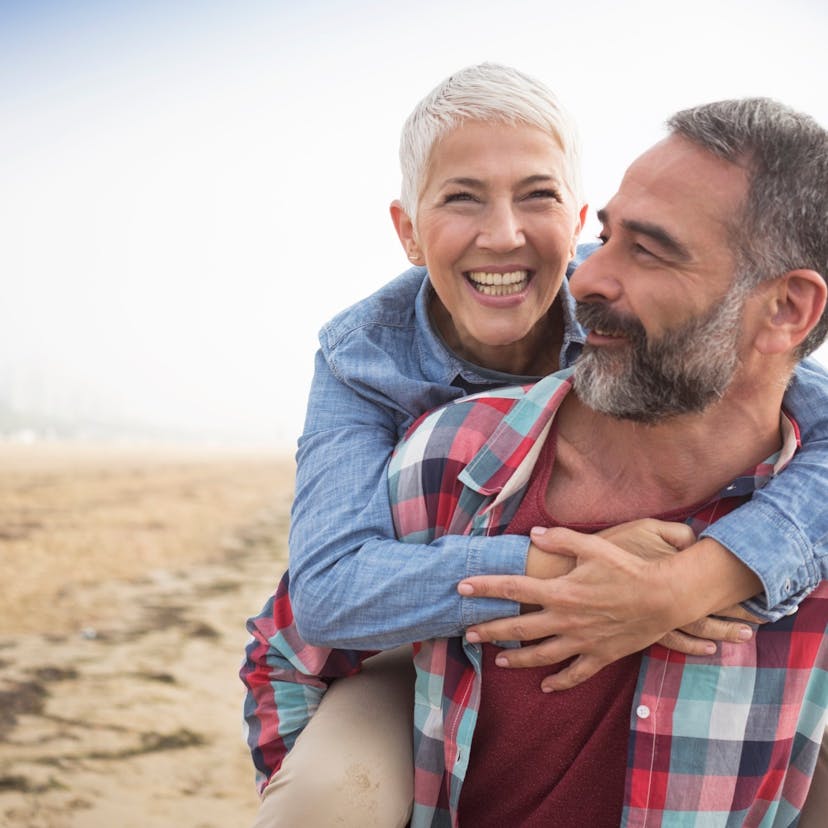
(499, 284)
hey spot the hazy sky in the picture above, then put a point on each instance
(188, 190)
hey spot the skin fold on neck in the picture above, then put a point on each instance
(535, 355)
(611, 470)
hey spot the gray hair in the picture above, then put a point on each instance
(783, 225)
(486, 92)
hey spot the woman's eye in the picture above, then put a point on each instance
(458, 197)
(603, 238)
(545, 194)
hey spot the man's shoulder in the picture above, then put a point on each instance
(468, 421)
(426, 473)
(502, 417)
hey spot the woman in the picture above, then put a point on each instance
(491, 206)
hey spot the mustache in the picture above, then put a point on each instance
(595, 315)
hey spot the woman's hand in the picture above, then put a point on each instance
(651, 539)
(598, 598)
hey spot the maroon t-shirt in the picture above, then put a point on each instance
(544, 759)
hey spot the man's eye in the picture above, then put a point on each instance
(642, 251)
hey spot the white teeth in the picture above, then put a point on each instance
(499, 284)
(483, 278)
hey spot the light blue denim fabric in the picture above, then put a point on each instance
(379, 367)
(782, 533)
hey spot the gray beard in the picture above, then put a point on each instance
(650, 380)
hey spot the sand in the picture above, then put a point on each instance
(127, 576)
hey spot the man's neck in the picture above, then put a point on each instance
(610, 470)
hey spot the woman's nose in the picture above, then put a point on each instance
(501, 231)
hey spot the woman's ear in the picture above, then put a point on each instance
(405, 231)
(582, 215)
(796, 301)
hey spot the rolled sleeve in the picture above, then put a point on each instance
(775, 549)
(782, 532)
(486, 558)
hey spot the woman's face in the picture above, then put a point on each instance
(496, 225)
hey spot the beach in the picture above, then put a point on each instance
(128, 573)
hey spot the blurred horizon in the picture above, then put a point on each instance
(191, 189)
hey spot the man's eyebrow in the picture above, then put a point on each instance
(667, 241)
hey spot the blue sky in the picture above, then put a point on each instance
(190, 189)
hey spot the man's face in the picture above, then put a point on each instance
(658, 297)
(682, 371)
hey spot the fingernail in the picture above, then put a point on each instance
(744, 634)
(465, 589)
(546, 689)
(710, 649)
(537, 530)
(502, 661)
(472, 636)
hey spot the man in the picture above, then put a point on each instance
(708, 289)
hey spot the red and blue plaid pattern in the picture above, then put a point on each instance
(728, 740)
(725, 740)
(285, 679)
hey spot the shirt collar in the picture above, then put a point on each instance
(574, 333)
(760, 475)
(505, 462)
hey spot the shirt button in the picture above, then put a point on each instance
(787, 585)
(642, 711)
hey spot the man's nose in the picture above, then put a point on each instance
(502, 230)
(595, 279)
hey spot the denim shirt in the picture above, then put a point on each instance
(379, 367)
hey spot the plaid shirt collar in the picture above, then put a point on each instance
(505, 462)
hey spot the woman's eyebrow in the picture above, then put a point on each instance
(463, 181)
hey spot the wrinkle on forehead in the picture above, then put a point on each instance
(683, 188)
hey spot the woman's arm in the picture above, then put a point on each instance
(352, 584)
(348, 572)
(782, 532)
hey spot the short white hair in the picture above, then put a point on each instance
(485, 92)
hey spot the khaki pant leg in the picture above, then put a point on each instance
(352, 765)
(815, 812)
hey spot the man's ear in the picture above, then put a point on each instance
(796, 301)
(405, 231)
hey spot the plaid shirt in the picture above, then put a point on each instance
(285, 679)
(464, 470)
(724, 740)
